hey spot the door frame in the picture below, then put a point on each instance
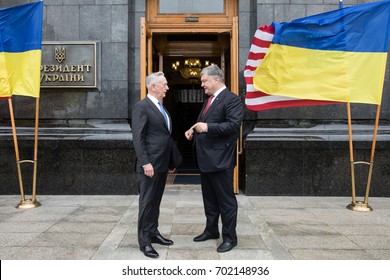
(146, 55)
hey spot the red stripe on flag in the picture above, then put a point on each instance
(261, 43)
(286, 104)
(255, 56)
(256, 100)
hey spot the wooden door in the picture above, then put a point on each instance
(158, 24)
(235, 89)
(146, 55)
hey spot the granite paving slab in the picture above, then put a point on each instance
(269, 228)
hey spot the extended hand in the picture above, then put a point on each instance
(189, 134)
(200, 127)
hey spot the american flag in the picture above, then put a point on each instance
(256, 100)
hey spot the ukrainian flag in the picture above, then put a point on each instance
(336, 56)
(20, 50)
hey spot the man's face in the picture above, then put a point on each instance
(209, 84)
(161, 87)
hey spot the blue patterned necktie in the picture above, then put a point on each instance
(163, 113)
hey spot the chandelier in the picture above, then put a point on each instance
(190, 68)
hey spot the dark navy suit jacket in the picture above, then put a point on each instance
(216, 149)
(151, 136)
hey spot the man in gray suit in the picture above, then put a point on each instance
(215, 135)
(152, 127)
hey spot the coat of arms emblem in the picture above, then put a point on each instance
(59, 54)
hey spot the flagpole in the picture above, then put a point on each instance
(362, 205)
(351, 157)
(16, 147)
(26, 203)
(34, 190)
(373, 145)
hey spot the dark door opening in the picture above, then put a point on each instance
(184, 101)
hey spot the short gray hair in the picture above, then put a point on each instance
(153, 78)
(213, 70)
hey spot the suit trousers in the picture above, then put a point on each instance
(219, 200)
(150, 194)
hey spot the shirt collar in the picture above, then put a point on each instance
(219, 91)
(153, 99)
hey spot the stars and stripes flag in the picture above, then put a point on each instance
(256, 100)
(337, 56)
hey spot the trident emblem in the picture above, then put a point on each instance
(60, 54)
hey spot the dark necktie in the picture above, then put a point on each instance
(207, 106)
(163, 113)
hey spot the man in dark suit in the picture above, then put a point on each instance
(215, 135)
(152, 127)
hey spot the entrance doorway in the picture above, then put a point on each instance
(169, 43)
(182, 57)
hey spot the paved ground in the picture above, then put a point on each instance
(269, 228)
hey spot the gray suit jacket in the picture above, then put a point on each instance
(151, 137)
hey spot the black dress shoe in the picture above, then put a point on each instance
(204, 237)
(161, 240)
(226, 246)
(149, 251)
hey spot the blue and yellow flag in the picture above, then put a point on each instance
(336, 56)
(20, 50)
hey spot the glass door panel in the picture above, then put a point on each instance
(191, 7)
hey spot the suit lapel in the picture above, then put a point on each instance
(158, 112)
(213, 105)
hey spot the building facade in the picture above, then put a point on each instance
(85, 139)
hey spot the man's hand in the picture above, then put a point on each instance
(148, 170)
(189, 134)
(200, 127)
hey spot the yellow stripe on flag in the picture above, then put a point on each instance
(4, 84)
(19, 73)
(355, 77)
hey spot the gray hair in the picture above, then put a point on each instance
(153, 78)
(213, 70)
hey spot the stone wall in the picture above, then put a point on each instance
(268, 11)
(80, 148)
(86, 159)
(104, 21)
(311, 162)
(305, 160)
(84, 165)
